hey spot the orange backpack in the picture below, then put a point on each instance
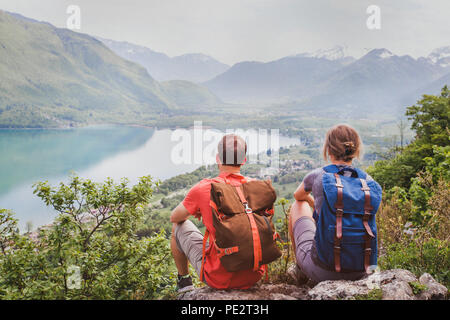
(242, 218)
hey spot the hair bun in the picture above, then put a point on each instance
(349, 148)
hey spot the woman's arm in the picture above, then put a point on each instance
(302, 195)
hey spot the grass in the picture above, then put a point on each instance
(374, 294)
(417, 287)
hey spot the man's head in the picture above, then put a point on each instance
(232, 151)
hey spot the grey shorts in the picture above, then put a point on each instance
(190, 241)
(304, 231)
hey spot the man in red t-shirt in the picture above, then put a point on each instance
(187, 241)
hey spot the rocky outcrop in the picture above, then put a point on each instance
(434, 290)
(397, 284)
(258, 292)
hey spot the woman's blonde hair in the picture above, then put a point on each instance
(343, 143)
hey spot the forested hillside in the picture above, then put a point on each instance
(54, 77)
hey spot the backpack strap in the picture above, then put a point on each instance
(361, 174)
(205, 239)
(339, 205)
(257, 250)
(369, 234)
(226, 251)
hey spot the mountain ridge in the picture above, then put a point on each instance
(194, 67)
(56, 77)
(379, 79)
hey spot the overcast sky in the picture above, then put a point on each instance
(262, 30)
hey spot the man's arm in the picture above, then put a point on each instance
(179, 214)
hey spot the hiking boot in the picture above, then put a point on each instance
(297, 275)
(184, 284)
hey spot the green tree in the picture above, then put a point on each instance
(431, 121)
(8, 229)
(414, 218)
(95, 233)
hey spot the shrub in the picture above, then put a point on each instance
(93, 242)
(277, 270)
(431, 256)
(417, 287)
(418, 246)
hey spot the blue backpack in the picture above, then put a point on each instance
(346, 235)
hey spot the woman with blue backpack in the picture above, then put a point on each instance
(332, 222)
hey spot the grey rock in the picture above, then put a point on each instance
(257, 292)
(397, 290)
(336, 290)
(392, 284)
(387, 276)
(434, 291)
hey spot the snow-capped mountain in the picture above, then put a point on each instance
(335, 53)
(381, 53)
(379, 81)
(440, 56)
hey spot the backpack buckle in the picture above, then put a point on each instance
(247, 208)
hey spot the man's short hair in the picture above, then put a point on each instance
(232, 150)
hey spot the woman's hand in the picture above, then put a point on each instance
(302, 195)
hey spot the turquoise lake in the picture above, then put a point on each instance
(28, 156)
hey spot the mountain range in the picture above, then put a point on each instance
(330, 80)
(195, 67)
(50, 76)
